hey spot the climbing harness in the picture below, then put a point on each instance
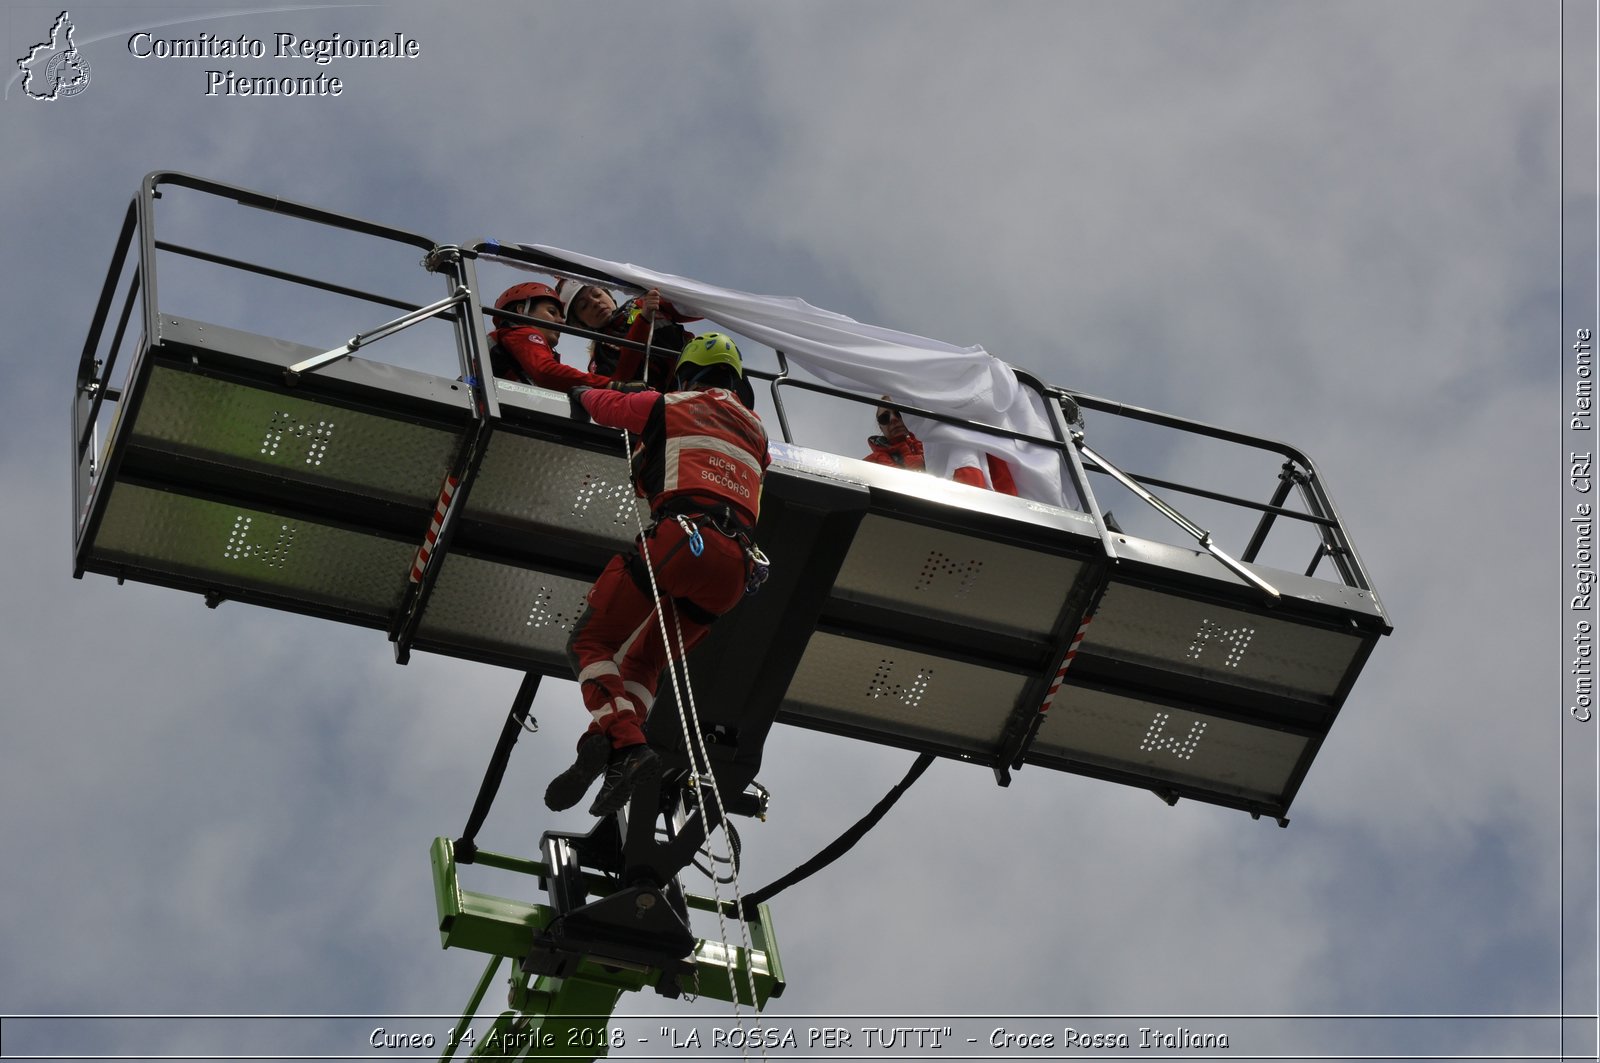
(721, 519)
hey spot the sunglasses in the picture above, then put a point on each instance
(886, 416)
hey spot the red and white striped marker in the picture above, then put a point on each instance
(1066, 662)
(426, 550)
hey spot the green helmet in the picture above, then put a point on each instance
(711, 349)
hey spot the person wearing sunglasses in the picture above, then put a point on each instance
(894, 444)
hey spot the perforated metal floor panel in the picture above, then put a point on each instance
(280, 433)
(1126, 739)
(249, 553)
(902, 696)
(539, 485)
(1219, 643)
(939, 573)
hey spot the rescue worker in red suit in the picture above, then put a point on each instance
(700, 456)
(895, 445)
(646, 318)
(524, 352)
(898, 446)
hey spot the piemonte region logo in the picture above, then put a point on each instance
(55, 69)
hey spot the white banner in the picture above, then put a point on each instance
(965, 382)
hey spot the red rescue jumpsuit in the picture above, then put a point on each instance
(905, 452)
(520, 352)
(698, 451)
(667, 341)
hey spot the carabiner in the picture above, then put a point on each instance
(697, 545)
(760, 568)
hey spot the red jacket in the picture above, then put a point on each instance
(519, 351)
(697, 445)
(667, 341)
(907, 453)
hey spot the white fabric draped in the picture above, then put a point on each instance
(965, 382)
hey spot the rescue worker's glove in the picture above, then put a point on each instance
(629, 386)
(575, 399)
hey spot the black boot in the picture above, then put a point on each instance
(568, 788)
(629, 768)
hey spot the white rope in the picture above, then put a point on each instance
(733, 859)
(698, 749)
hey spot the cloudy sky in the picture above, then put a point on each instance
(1338, 224)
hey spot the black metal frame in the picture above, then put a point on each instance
(481, 414)
(95, 374)
(1297, 470)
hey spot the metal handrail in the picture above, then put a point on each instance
(917, 411)
(137, 243)
(988, 429)
(93, 372)
(140, 222)
(1324, 514)
(94, 376)
(1327, 523)
(153, 182)
(292, 278)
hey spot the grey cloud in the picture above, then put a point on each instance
(1333, 224)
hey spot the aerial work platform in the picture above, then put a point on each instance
(902, 609)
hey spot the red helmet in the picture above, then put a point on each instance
(525, 293)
